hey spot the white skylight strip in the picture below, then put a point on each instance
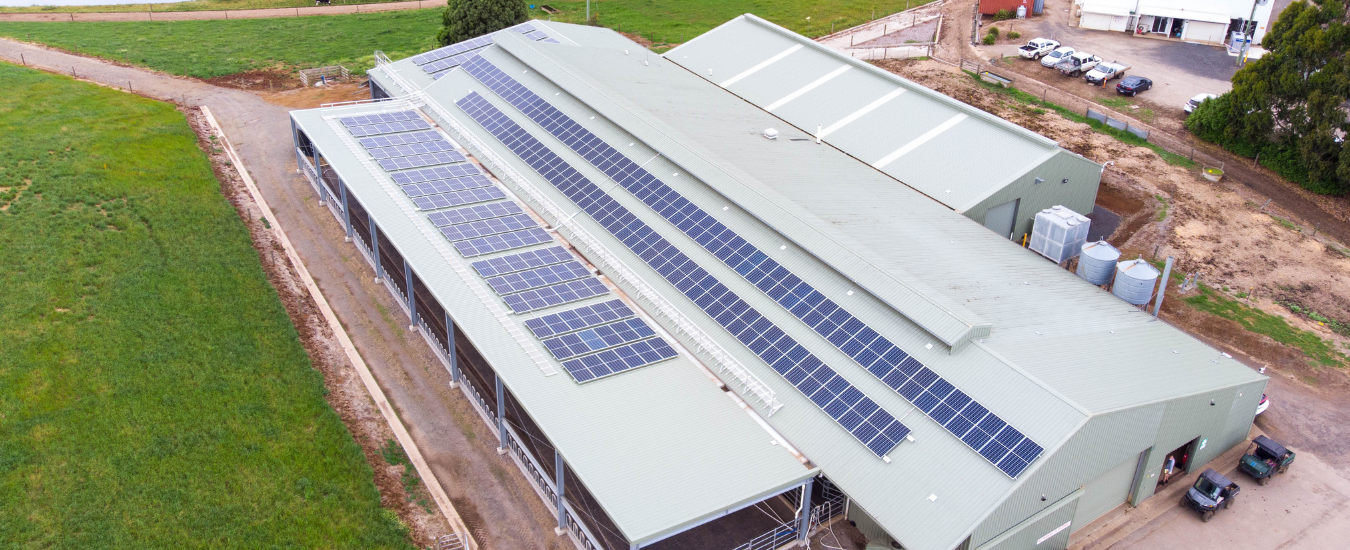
(808, 87)
(953, 121)
(860, 112)
(761, 65)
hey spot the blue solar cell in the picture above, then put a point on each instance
(579, 318)
(975, 438)
(492, 226)
(558, 294)
(458, 198)
(535, 278)
(474, 213)
(958, 426)
(599, 338)
(1028, 450)
(614, 361)
(1012, 465)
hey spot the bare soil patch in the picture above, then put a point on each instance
(314, 96)
(260, 80)
(346, 393)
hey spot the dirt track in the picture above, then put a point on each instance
(78, 17)
(494, 499)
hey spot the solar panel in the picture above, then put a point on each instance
(523, 28)
(572, 320)
(453, 49)
(872, 351)
(400, 139)
(504, 241)
(483, 228)
(617, 360)
(473, 213)
(437, 173)
(871, 425)
(536, 35)
(378, 118)
(519, 262)
(599, 338)
(410, 149)
(537, 277)
(418, 161)
(458, 198)
(446, 186)
(549, 296)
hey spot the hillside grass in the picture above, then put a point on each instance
(207, 49)
(153, 391)
(195, 5)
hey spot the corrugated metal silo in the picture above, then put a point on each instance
(1135, 280)
(1097, 263)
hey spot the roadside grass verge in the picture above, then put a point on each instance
(677, 21)
(153, 391)
(1120, 135)
(1319, 350)
(197, 5)
(206, 49)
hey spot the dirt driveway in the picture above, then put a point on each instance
(1179, 70)
(493, 498)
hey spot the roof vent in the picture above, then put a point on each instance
(770, 133)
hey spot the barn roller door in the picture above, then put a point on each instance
(1105, 493)
(999, 219)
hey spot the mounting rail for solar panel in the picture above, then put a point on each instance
(617, 270)
(527, 342)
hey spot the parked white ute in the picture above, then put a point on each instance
(1037, 48)
(1190, 106)
(1104, 72)
(1078, 63)
(1059, 54)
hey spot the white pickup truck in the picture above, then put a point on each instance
(1104, 72)
(1037, 48)
(1078, 63)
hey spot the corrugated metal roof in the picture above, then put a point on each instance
(965, 159)
(844, 227)
(659, 447)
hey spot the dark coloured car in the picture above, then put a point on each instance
(1132, 85)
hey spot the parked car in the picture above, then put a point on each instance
(1104, 72)
(1263, 405)
(1210, 492)
(1190, 106)
(1059, 54)
(1264, 459)
(1132, 85)
(1078, 63)
(1037, 48)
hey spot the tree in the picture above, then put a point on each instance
(465, 19)
(1294, 102)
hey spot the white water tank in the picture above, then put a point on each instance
(1135, 280)
(1097, 263)
(1021, 12)
(1059, 233)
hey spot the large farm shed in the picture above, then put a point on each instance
(691, 336)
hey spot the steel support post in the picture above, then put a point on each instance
(450, 343)
(1162, 287)
(318, 170)
(375, 246)
(558, 468)
(295, 140)
(346, 214)
(501, 415)
(412, 301)
(804, 514)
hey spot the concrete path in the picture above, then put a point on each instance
(492, 496)
(69, 17)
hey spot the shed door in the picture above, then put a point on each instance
(1099, 21)
(999, 219)
(1103, 494)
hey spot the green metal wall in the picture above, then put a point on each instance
(1078, 195)
(1046, 530)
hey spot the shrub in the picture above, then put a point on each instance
(993, 31)
(1004, 15)
(1014, 35)
(989, 39)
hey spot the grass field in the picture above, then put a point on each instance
(206, 49)
(153, 392)
(195, 5)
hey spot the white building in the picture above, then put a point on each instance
(1204, 21)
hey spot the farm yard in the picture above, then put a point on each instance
(153, 393)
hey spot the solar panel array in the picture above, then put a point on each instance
(617, 360)
(863, 418)
(446, 186)
(500, 242)
(1004, 446)
(437, 173)
(401, 139)
(384, 123)
(535, 278)
(436, 62)
(458, 198)
(409, 149)
(549, 296)
(473, 213)
(492, 226)
(599, 338)
(418, 161)
(576, 319)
